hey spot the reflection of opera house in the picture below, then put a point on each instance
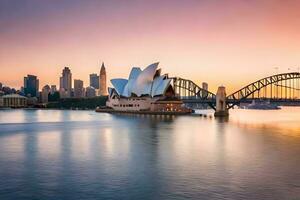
(145, 90)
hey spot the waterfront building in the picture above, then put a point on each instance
(54, 97)
(66, 81)
(32, 101)
(31, 85)
(53, 89)
(45, 93)
(90, 92)
(63, 94)
(0, 86)
(144, 90)
(14, 101)
(94, 81)
(102, 85)
(78, 88)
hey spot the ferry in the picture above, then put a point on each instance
(262, 105)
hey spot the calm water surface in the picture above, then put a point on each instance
(50, 154)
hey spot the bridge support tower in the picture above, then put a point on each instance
(221, 107)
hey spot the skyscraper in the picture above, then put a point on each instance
(94, 81)
(66, 81)
(90, 92)
(53, 89)
(31, 85)
(78, 88)
(103, 88)
(45, 93)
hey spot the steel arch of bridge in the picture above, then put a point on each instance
(236, 97)
(188, 90)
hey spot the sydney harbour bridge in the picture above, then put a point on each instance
(282, 89)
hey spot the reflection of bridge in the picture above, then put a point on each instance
(280, 88)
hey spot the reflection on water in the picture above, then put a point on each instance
(51, 154)
(285, 121)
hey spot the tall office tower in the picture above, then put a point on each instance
(94, 81)
(0, 86)
(66, 81)
(45, 92)
(53, 89)
(78, 88)
(90, 92)
(31, 85)
(103, 88)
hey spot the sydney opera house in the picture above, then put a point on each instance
(145, 90)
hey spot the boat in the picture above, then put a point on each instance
(262, 105)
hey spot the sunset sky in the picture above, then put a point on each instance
(227, 43)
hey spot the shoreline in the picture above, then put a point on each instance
(141, 112)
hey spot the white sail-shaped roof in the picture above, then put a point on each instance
(119, 84)
(156, 84)
(135, 72)
(142, 82)
(162, 87)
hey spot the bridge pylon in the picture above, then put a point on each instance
(221, 106)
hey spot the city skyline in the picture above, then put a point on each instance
(59, 83)
(149, 99)
(32, 88)
(220, 43)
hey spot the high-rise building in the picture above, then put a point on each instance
(103, 88)
(45, 92)
(90, 92)
(63, 94)
(53, 89)
(0, 86)
(31, 85)
(66, 81)
(78, 88)
(94, 81)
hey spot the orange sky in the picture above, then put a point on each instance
(230, 43)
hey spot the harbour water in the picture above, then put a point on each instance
(61, 154)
